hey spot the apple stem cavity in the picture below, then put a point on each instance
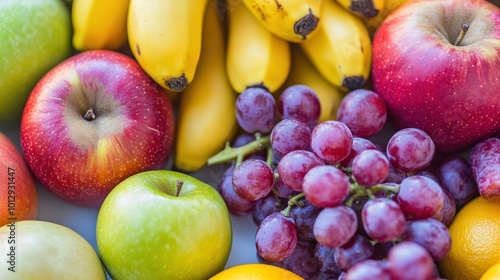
(463, 31)
(89, 115)
(179, 187)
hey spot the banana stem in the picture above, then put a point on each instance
(229, 153)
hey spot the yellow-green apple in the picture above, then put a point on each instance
(36, 35)
(18, 193)
(92, 121)
(32, 249)
(163, 224)
(436, 63)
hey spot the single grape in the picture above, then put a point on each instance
(293, 167)
(410, 261)
(383, 219)
(358, 145)
(370, 168)
(256, 110)
(280, 189)
(363, 111)
(235, 203)
(357, 249)
(325, 186)
(395, 175)
(449, 209)
(485, 163)
(430, 234)
(253, 179)
(276, 237)
(265, 207)
(302, 261)
(455, 175)
(290, 135)
(326, 260)
(369, 270)
(300, 102)
(335, 226)
(410, 149)
(304, 217)
(331, 141)
(420, 197)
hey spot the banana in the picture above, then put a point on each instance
(165, 38)
(99, 24)
(292, 20)
(207, 108)
(372, 24)
(341, 50)
(303, 72)
(255, 57)
(363, 8)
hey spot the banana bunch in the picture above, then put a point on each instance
(365, 8)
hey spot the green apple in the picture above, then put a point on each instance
(163, 224)
(32, 249)
(36, 35)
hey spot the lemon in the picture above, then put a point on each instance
(475, 235)
(255, 271)
(493, 273)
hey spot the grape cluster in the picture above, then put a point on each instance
(330, 203)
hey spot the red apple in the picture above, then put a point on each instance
(92, 121)
(433, 78)
(18, 194)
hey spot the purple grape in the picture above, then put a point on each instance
(290, 135)
(449, 209)
(276, 237)
(293, 167)
(302, 261)
(420, 197)
(235, 204)
(455, 175)
(265, 207)
(363, 111)
(382, 219)
(358, 145)
(410, 149)
(300, 102)
(485, 165)
(304, 217)
(325, 186)
(370, 168)
(430, 234)
(281, 190)
(331, 141)
(253, 179)
(256, 110)
(369, 270)
(335, 226)
(357, 249)
(326, 260)
(410, 261)
(395, 175)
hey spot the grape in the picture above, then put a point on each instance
(326, 260)
(370, 168)
(325, 186)
(331, 141)
(304, 217)
(485, 165)
(256, 110)
(420, 197)
(276, 237)
(235, 204)
(410, 149)
(281, 190)
(395, 175)
(300, 102)
(357, 249)
(302, 261)
(293, 167)
(335, 226)
(358, 145)
(382, 219)
(430, 234)
(290, 135)
(369, 270)
(410, 261)
(363, 111)
(455, 175)
(449, 209)
(253, 179)
(265, 207)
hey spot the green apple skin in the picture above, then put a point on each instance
(36, 35)
(145, 231)
(33, 249)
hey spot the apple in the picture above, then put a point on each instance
(92, 121)
(163, 224)
(18, 193)
(36, 35)
(436, 63)
(32, 249)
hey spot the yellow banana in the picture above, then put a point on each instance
(292, 20)
(341, 50)
(255, 57)
(99, 24)
(207, 111)
(303, 72)
(372, 24)
(165, 38)
(363, 8)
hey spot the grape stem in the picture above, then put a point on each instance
(357, 190)
(294, 200)
(230, 153)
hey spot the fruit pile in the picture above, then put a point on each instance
(359, 137)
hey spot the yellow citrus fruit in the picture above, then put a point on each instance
(255, 271)
(493, 273)
(475, 245)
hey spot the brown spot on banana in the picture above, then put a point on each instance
(364, 8)
(305, 25)
(353, 82)
(138, 49)
(177, 83)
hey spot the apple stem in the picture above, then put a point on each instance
(463, 31)
(179, 187)
(89, 115)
